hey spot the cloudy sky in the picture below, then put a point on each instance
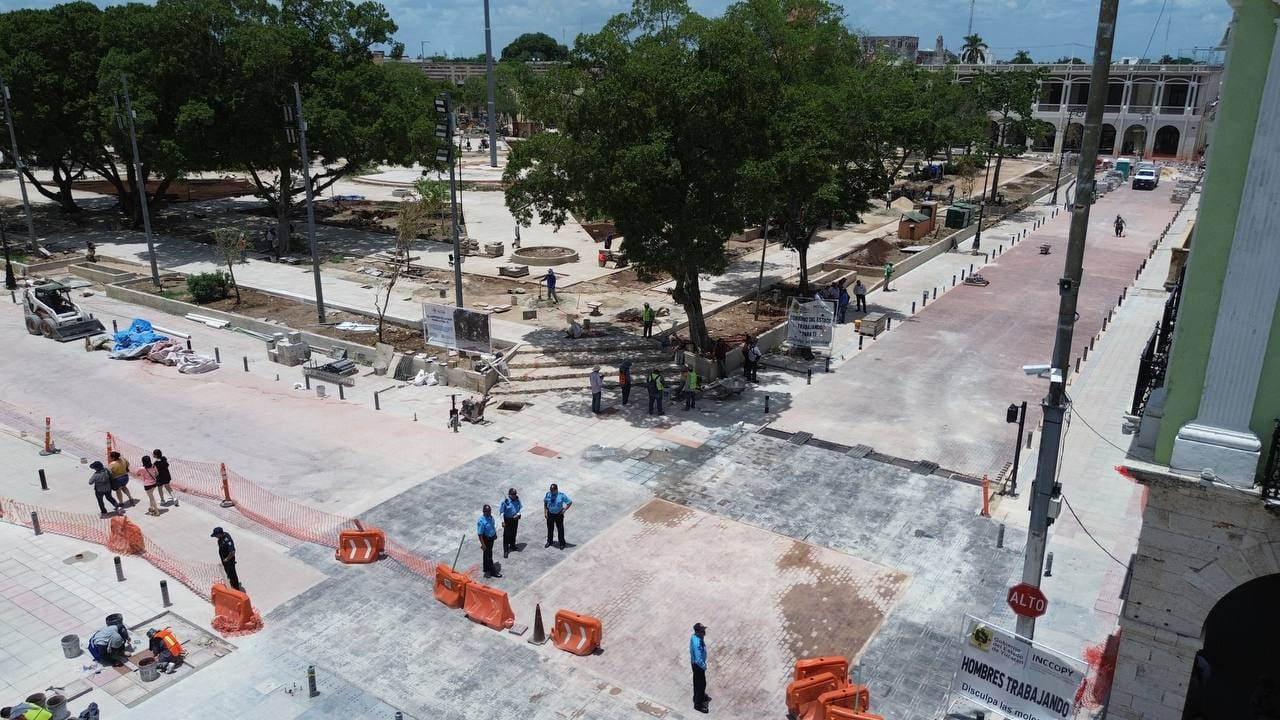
(1048, 29)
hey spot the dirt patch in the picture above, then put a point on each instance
(827, 617)
(734, 322)
(799, 556)
(180, 190)
(659, 512)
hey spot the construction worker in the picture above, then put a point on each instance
(646, 318)
(487, 531)
(26, 711)
(653, 384)
(166, 649)
(110, 645)
(698, 660)
(888, 275)
(690, 388)
(550, 279)
(510, 509)
(624, 380)
(554, 505)
(227, 554)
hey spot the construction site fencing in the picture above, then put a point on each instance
(214, 481)
(197, 576)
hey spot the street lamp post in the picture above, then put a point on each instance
(140, 184)
(445, 131)
(982, 206)
(10, 282)
(17, 165)
(1016, 414)
(492, 116)
(1062, 156)
(311, 210)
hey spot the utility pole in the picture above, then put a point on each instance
(139, 183)
(311, 208)
(982, 205)
(17, 164)
(492, 117)
(444, 131)
(1045, 490)
(10, 282)
(1062, 156)
(764, 245)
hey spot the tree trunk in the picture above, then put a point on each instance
(62, 180)
(689, 295)
(995, 180)
(801, 246)
(232, 272)
(283, 204)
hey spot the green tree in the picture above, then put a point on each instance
(1171, 60)
(1009, 96)
(655, 136)
(1022, 57)
(397, 51)
(974, 50)
(231, 243)
(534, 46)
(1069, 60)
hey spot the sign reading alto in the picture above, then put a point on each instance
(451, 327)
(1014, 676)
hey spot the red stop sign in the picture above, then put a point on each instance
(1027, 600)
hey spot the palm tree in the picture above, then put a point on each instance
(974, 51)
(1022, 57)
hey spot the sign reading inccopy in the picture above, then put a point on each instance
(1015, 676)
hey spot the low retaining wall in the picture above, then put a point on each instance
(101, 273)
(39, 268)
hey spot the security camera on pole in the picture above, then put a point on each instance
(445, 131)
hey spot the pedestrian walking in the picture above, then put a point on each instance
(842, 301)
(888, 275)
(646, 319)
(690, 388)
(624, 380)
(722, 357)
(554, 505)
(227, 554)
(147, 476)
(750, 359)
(163, 478)
(101, 483)
(488, 533)
(698, 660)
(550, 279)
(653, 385)
(1119, 226)
(119, 468)
(597, 387)
(510, 509)
(860, 296)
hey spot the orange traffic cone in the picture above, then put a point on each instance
(539, 634)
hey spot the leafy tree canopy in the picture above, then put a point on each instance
(534, 46)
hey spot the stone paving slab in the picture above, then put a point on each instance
(784, 599)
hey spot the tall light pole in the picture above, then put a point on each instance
(492, 117)
(1062, 155)
(444, 131)
(1046, 492)
(10, 282)
(1016, 414)
(140, 184)
(17, 164)
(311, 207)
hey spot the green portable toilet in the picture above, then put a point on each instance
(960, 215)
(1124, 166)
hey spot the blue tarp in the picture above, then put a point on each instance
(138, 334)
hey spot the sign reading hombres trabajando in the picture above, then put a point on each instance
(811, 323)
(1014, 676)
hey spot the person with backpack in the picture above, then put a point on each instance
(750, 359)
(101, 482)
(653, 384)
(147, 474)
(624, 380)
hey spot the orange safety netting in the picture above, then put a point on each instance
(215, 482)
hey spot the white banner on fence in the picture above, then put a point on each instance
(1014, 676)
(811, 323)
(437, 325)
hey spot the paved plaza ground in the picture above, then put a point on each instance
(784, 548)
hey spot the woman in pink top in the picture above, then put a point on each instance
(147, 474)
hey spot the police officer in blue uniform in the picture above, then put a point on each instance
(510, 510)
(488, 533)
(554, 506)
(227, 554)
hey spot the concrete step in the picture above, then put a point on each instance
(531, 387)
(604, 343)
(586, 359)
(609, 371)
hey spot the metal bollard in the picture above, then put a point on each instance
(961, 274)
(970, 268)
(828, 367)
(935, 293)
(399, 715)
(766, 404)
(377, 405)
(44, 484)
(119, 570)
(1104, 323)
(188, 339)
(246, 363)
(306, 379)
(913, 307)
(35, 522)
(1077, 364)
(924, 298)
(888, 324)
(164, 593)
(953, 280)
(1029, 434)
(217, 354)
(809, 379)
(860, 336)
(1000, 536)
(311, 681)
(1048, 566)
(115, 327)
(342, 395)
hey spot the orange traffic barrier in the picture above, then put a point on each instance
(839, 713)
(578, 634)
(488, 606)
(854, 698)
(986, 496)
(125, 537)
(804, 693)
(49, 449)
(837, 665)
(360, 546)
(451, 586)
(233, 613)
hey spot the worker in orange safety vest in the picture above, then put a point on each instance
(165, 646)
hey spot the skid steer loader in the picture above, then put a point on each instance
(51, 312)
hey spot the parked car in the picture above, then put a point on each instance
(1146, 179)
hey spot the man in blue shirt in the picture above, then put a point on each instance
(550, 279)
(554, 505)
(510, 509)
(698, 659)
(488, 533)
(227, 554)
